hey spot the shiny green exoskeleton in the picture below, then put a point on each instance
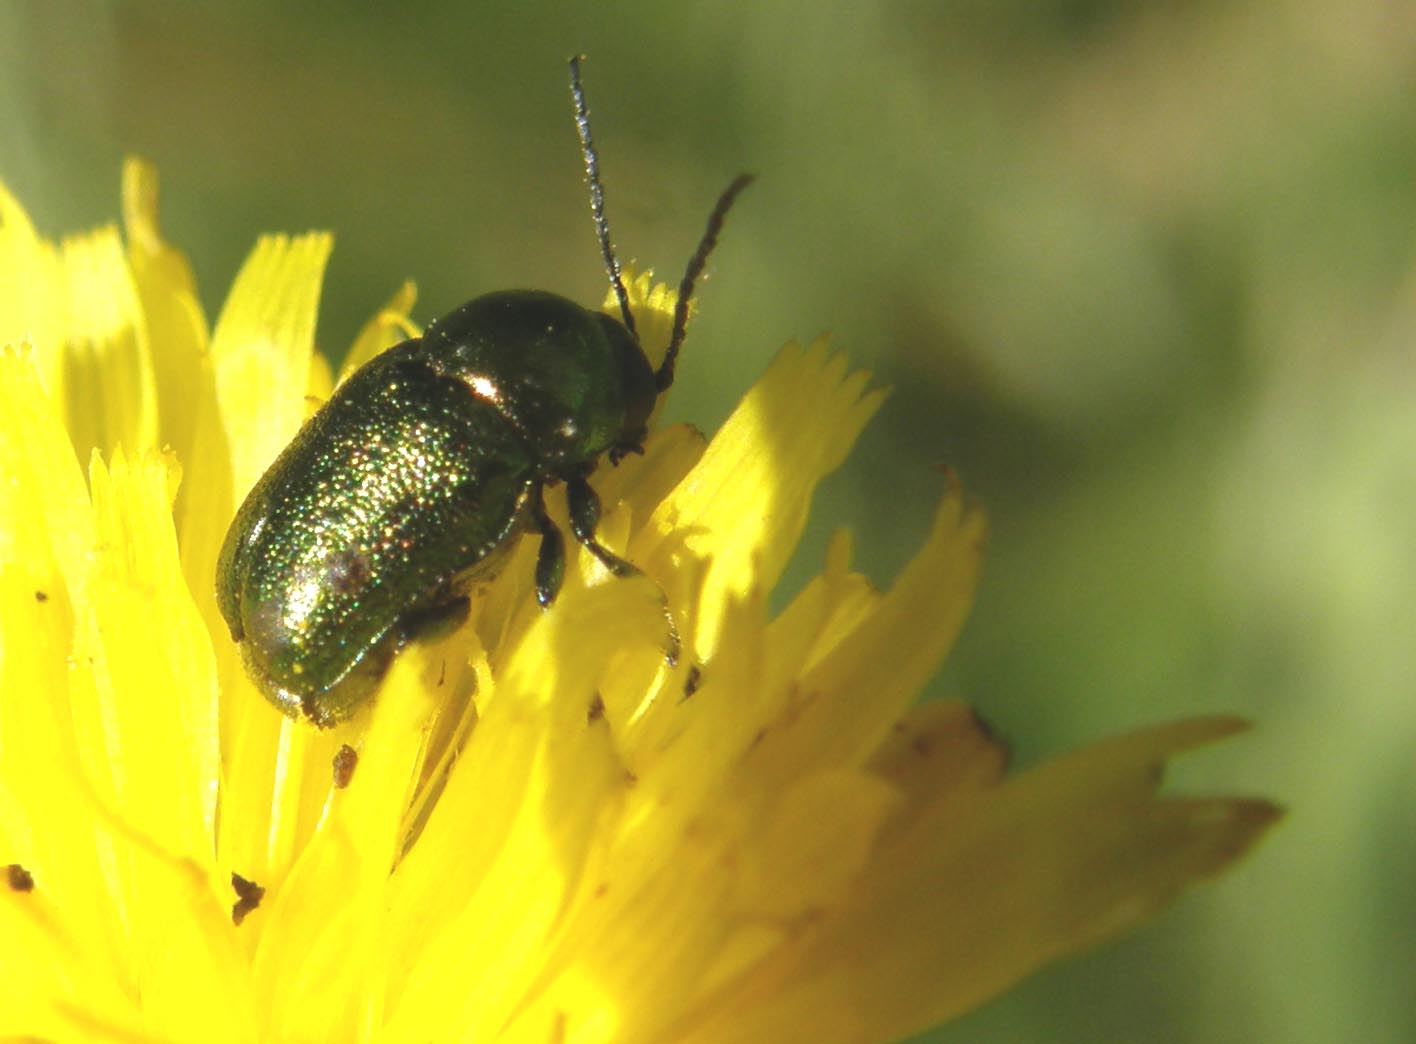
(415, 478)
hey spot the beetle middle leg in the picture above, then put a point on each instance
(550, 559)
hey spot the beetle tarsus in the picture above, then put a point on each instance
(675, 645)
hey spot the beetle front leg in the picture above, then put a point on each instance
(550, 559)
(584, 507)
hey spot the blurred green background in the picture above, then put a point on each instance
(1142, 273)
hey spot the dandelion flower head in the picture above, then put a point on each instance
(539, 830)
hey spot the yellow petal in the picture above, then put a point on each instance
(320, 961)
(262, 347)
(31, 300)
(978, 893)
(481, 897)
(186, 387)
(79, 308)
(176, 324)
(46, 504)
(45, 817)
(868, 665)
(640, 482)
(652, 305)
(121, 727)
(144, 689)
(261, 350)
(938, 751)
(143, 699)
(812, 845)
(744, 506)
(388, 327)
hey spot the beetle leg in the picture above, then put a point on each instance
(550, 560)
(675, 646)
(584, 506)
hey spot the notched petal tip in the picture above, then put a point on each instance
(1160, 743)
(652, 305)
(389, 326)
(938, 752)
(140, 192)
(980, 882)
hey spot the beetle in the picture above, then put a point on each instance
(417, 476)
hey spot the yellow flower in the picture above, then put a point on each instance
(549, 833)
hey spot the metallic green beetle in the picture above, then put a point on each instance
(414, 479)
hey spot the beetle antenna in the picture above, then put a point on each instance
(597, 193)
(665, 375)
